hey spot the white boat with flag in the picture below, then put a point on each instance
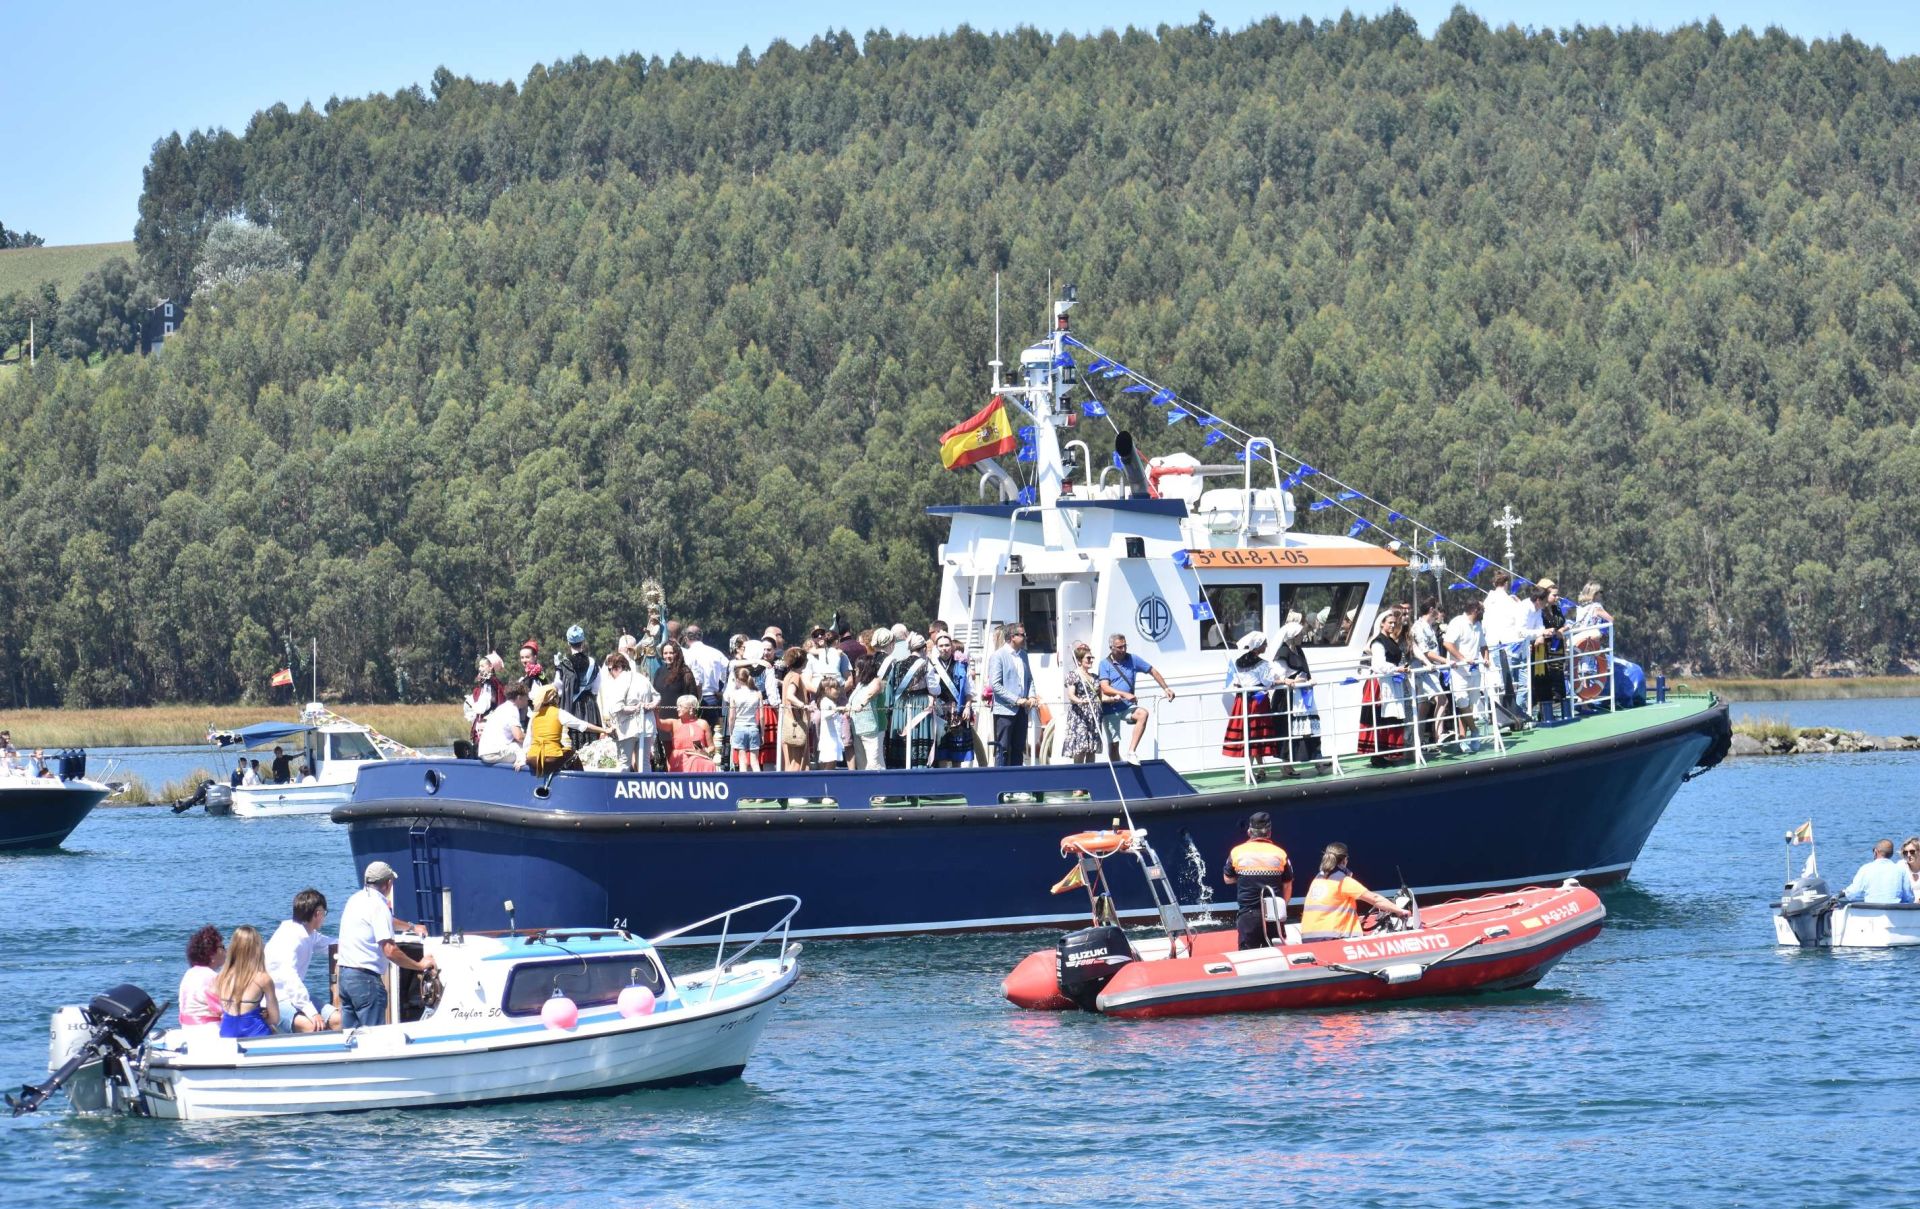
(1811, 914)
(330, 748)
(1193, 555)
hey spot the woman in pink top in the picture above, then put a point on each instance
(206, 953)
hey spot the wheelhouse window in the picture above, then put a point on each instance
(351, 745)
(1236, 612)
(1328, 611)
(588, 981)
(1040, 614)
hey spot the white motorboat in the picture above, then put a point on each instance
(333, 748)
(508, 1017)
(1812, 915)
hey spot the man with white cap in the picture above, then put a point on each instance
(367, 945)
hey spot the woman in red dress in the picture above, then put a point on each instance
(692, 739)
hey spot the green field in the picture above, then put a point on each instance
(23, 269)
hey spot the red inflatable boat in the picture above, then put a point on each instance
(1496, 942)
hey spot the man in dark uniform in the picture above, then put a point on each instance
(1254, 865)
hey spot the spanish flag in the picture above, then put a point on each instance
(283, 676)
(1803, 834)
(988, 434)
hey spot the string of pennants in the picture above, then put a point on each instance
(1335, 494)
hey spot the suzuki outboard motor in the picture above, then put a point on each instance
(1088, 960)
(1807, 909)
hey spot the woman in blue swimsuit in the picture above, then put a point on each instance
(248, 1007)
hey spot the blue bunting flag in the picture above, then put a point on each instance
(1175, 416)
(1320, 505)
(1349, 495)
(1028, 453)
(1099, 364)
(1395, 517)
(1138, 388)
(1479, 565)
(1360, 525)
(1093, 409)
(1214, 438)
(1202, 611)
(1161, 396)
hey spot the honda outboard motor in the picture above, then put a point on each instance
(91, 1053)
(1807, 909)
(1088, 960)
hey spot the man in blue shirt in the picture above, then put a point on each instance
(1880, 880)
(1119, 702)
(1010, 680)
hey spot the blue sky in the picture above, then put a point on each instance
(86, 89)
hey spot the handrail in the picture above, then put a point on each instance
(1406, 690)
(721, 962)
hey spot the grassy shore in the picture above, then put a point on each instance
(1838, 688)
(183, 725)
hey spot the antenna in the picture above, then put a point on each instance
(996, 363)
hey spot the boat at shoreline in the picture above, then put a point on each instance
(1184, 558)
(524, 1016)
(42, 811)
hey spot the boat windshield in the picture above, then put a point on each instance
(350, 745)
(588, 981)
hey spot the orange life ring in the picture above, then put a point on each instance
(1096, 843)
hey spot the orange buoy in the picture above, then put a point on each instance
(1096, 843)
(1035, 983)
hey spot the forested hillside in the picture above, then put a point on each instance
(705, 322)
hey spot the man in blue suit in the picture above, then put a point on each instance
(1011, 681)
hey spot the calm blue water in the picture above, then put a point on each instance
(1681, 1058)
(1874, 715)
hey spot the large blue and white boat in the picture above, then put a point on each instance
(1182, 556)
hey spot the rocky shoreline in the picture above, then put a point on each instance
(1820, 740)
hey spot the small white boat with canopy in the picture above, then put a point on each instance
(332, 748)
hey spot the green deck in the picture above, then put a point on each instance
(1583, 729)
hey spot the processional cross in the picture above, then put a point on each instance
(1508, 521)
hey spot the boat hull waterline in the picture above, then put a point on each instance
(1583, 810)
(43, 812)
(1473, 946)
(606, 1055)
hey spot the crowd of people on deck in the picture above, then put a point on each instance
(887, 697)
(896, 697)
(250, 987)
(1513, 657)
